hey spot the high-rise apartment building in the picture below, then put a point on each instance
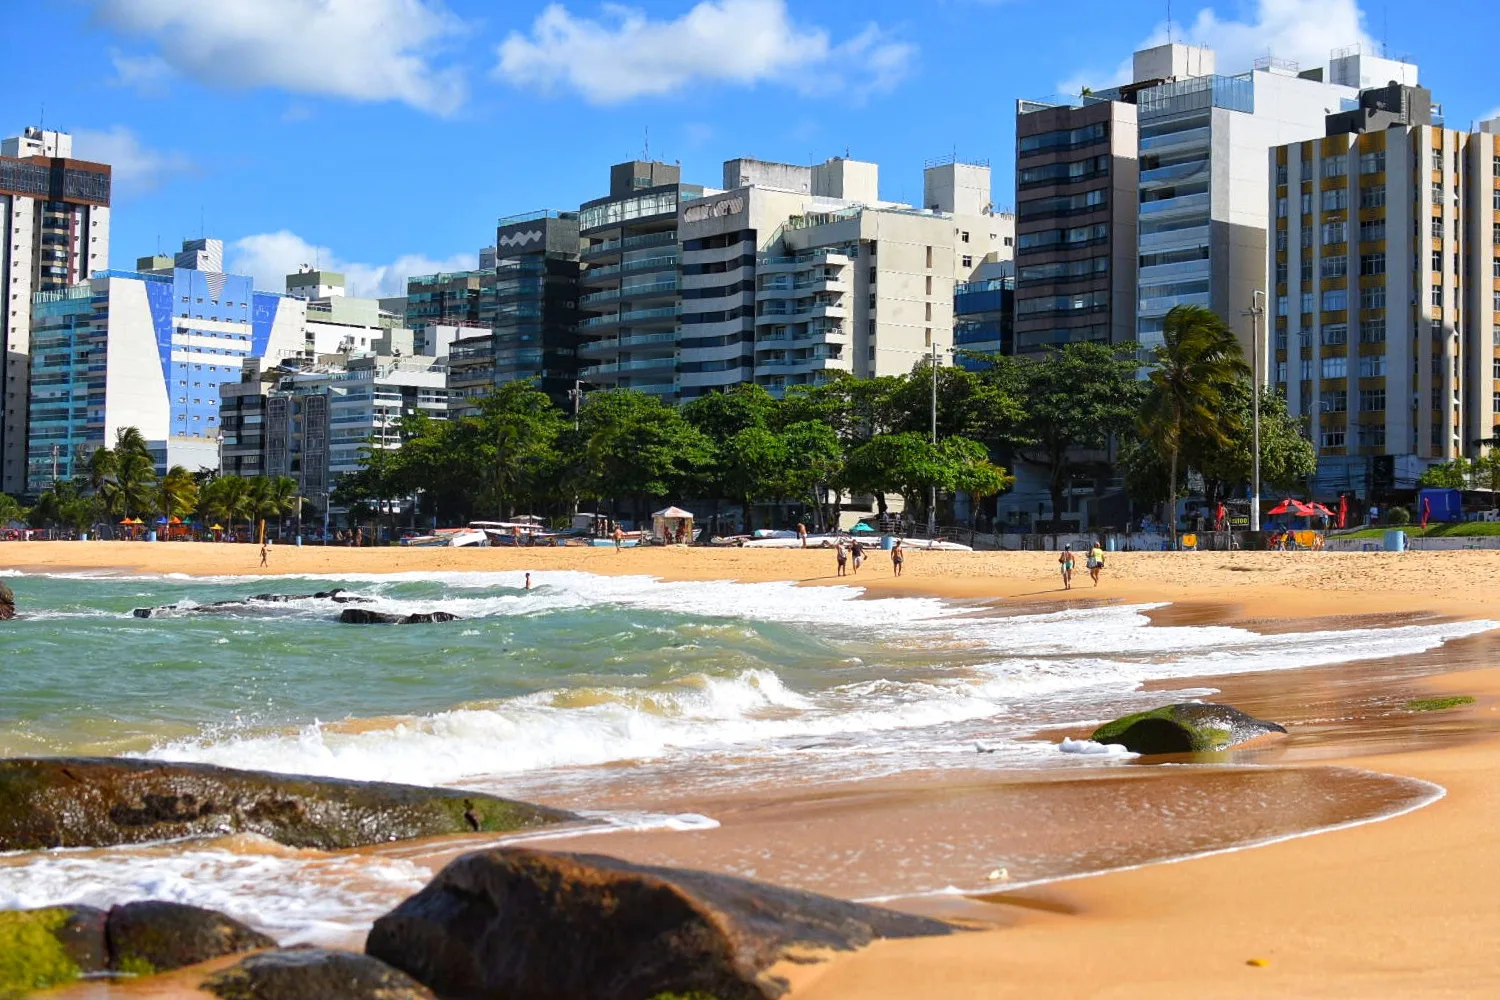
(794, 272)
(984, 314)
(54, 233)
(1076, 197)
(1384, 266)
(536, 301)
(1203, 139)
(146, 350)
(440, 307)
(629, 301)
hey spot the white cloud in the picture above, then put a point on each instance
(1304, 31)
(146, 75)
(137, 168)
(624, 54)
(366, 50)
(270, 257)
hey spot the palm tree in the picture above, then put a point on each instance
(1199, 359)
(135, 483)
(225, 499)
(10, 510)
(177, 494)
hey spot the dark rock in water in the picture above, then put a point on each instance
(153, 936)
(7, 603)
(1186, 728)
(313, 974)
(518, 923)
(50, 946)
(363, 616)
(337, 595)
(100, 802)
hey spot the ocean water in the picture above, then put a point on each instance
(581, 690)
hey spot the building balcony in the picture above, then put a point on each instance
(663, 364)
(651, 290)
(613, 248)
(596, 275)
(1191, 204)
(1174, 174)
(611, 345)
(644, 317)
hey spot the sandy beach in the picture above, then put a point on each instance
(1408, 906)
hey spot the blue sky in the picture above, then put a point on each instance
(385, 136)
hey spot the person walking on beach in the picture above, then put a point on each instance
(857, 550)
(1095, 562)
(528, 581)
(843, 558)
(619, 538)
(802, 533)
(265, 553)
(1065, 562)
(898, 558)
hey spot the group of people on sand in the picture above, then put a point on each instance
(1094, 563)
(855, 552)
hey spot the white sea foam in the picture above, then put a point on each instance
(294, 899)
(1069, 745)
(1062, 666)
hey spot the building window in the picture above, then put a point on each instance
(929, 256)
(1307, 235)
(1371, 400)
(1282, 305)
(1281, 371)
(1437, 193)
(1333, 439)
(1372, 263)
(1372, 297)
(1437, 295)
(1281, 208)
(1335, 266)
(1496, 303)
(968, 261)
(1338, 401)
(1335, 300)
(1437, 227)
(1306, 367)
(1308, 301)
(1281, 173)
(1335, 334)
(1496, 234)
(1372, 197)
(1306, 202)
(1437, 261)
(1372, 163)
(1372, 232)
(963, 236)
(1335, 232)
(1495, 166)
(1437, 160)
(1281, 272)
(1335, 166)
(1495, 368)
(1371, 365)
(1281, 239)
(1335, 367)
(1335, 199)
(1305, 269)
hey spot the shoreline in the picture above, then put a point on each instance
(1379, 907)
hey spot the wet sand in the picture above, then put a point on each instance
(1405, 907)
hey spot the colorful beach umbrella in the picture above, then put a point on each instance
(1291, 506)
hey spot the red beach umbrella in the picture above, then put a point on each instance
(1344, 511)
(1290, 506)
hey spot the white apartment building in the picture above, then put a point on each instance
(797, 271)
(1203, 171)
(54, 233)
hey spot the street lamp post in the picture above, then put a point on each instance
(932, 499)
(1257, 310)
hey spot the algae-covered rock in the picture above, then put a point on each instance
(314, 974)
(154, 936)
(7, 602)
(529, 925)
(1186, 728)
(48, 947)
(102, 802)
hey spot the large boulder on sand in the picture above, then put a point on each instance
(1186, 728)
(101, 802)
(519, 924)
(154, 936)
(7, 603)
(313, 974)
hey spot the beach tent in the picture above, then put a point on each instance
(672, 524)
(862, 527)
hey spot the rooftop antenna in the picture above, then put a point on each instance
(1169, 22)
(647, 154)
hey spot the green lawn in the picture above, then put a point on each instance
(1470, 529)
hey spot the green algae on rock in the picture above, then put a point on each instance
(1437, 704)
(31, 955)
(103, 802)
(1184, 728)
